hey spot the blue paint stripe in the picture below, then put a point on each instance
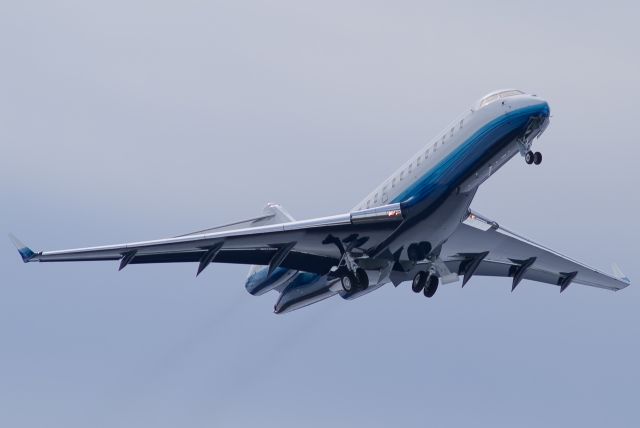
(461, 162)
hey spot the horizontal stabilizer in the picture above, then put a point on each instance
(25, 252)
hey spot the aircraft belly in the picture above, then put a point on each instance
(439, 225)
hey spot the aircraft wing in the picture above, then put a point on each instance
(481, 246)
(310, 245)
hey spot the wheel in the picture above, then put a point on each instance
(432, 286)
(537, 158)
(529, 157)
(419, 281)
(413, 252)
(349, 282)
(363, 279)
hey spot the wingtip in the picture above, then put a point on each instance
(619, 274)
(25, 252)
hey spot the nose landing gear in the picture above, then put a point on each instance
(531, 157)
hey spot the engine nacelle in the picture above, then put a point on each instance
(304, 289)
(259, 282)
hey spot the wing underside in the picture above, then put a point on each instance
(482, 247)
(310, 245)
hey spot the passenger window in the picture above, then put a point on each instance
(452, 129)
(368, 203)
(393, 182)
(426, 155)
(401, 175)
(461, 122)
(375, 199)
(409, 169)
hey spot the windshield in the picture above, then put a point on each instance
(496, 96)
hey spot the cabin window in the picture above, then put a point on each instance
(418, 161)
(401, 175)
(461, 122)
(409, 169)
(426, 154)
(393, 182)
(443, 137)
(452, 129)
(368, 203)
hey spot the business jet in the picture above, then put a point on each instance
(416, 226)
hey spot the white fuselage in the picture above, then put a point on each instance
(445, 143)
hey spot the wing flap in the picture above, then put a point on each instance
(260, 256)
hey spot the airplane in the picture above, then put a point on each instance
(416, 226)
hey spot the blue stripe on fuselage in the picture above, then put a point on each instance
(469, 156)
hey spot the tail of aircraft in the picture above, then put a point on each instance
(258, 280)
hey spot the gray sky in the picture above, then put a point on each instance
(130, 120)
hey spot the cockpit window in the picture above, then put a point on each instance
(511, 93)
(494, 97)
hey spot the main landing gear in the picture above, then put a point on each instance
(531, 157)
(426, 282)
(355, 281)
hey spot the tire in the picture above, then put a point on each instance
(349, 282)
(537, 158)
(419, 281)
(529, 157)
(431, 287)
(363, 279)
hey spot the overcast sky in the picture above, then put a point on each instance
(129, 120)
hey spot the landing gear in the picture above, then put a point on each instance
(352, 282)
(349, 282)
(531, 157)
(537, 158)
(528, 158)
(432, 286)
(425, 282)
(363, 279)
(419, 281)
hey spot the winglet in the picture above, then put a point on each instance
(618, 273)
(25, 252)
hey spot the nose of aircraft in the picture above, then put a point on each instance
(541, 104)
